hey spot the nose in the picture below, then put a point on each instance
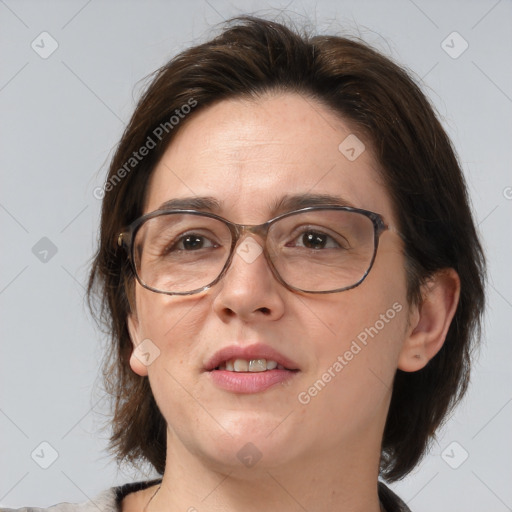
(249, 289)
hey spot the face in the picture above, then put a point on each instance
(344, 346)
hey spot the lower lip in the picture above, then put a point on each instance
(249, 382)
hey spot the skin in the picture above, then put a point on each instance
(319, 456)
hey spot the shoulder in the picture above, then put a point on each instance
(104, 502)
(108, 500)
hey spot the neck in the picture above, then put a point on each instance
(345, 479)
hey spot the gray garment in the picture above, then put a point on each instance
(109, 500)
(104, 502)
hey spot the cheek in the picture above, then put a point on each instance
(173, 323)
(372, 315)
(357, 356)
(352, 381)
(363, 333)
(382, 310)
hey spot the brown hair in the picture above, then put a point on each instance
(419, 167)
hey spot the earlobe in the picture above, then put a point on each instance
(135, 363)
(430, 320)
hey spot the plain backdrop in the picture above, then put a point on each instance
(70, 75)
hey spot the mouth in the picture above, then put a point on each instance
(252, 358)
(250, 369)
(251, 365)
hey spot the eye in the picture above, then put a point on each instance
(315, 239)
(190, 242)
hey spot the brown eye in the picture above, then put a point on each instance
(191, 242)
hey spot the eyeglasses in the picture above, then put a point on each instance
(318, 249)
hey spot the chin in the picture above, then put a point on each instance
(255, 445)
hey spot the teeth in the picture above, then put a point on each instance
(253, 365)
(271, 365)
(241, 365)
(257, 365)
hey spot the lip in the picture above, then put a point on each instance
(255, 351)
(249, 382)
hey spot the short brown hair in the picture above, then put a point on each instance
(419, 167)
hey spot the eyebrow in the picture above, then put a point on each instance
(285, 204)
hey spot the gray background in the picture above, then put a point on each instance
(60, 120)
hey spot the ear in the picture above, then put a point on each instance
(430, 320)
(135, 363)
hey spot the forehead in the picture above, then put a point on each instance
(250, 153)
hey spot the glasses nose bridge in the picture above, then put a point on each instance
(260, 230)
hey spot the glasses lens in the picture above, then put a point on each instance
(322, 250)
(180, 252)
(315, 251)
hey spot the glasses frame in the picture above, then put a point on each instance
(126, 237)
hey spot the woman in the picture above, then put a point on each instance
(291, 274)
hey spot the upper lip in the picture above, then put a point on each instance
(255, 351)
